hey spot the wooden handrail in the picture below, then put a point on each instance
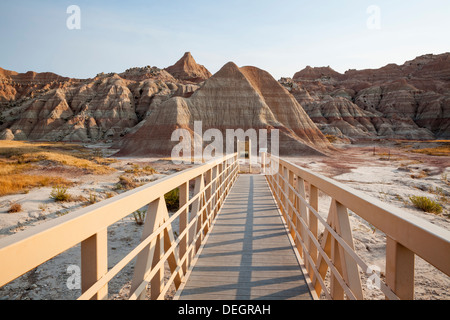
(407, 235)
(26, 250)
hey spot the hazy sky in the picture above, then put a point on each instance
(281, 37)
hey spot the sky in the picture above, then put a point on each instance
(281, 37)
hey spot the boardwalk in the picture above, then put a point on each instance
(248, 255)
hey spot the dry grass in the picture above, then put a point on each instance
(15, 208)
(420, 175)
(59, 153)
(126, 183)
(441, 151)
(17, 158)
(17, 183)
(66, 160)
(138, 170)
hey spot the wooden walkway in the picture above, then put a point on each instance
(248, 255)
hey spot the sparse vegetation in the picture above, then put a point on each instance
(19, 162)
(92, 197)
(15, 208)
(62, 213)
(109, 195)
(125, 183)
(17, 183)
(172, 200)
(71, 155)
(426, 204)
(60, 194)
(444, 178)
(138, 170)
(440, 151)
(420, 175)
(139, 217)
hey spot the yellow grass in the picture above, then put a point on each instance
(67, 160)
(64, 154)
(18, 157)
(17, 183)
(442, 151)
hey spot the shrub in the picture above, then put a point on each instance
(426, 204)
(60, 194)
(172, 200)
(92, 198)
(125, 183)
(137, 170)
(139, 217)
(15, 207)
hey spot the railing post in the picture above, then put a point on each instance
(157, 282)
(313, 223)
(208, 193)
(399, 269)
(148, 257)
(183, 199)
(263, 162)
(302, 209)
(293, 202)
(196, 207)
(94, 262)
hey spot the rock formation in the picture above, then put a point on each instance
(186, 69)
(234, 98)
(139, 107)
(49, 107)
(410, 101)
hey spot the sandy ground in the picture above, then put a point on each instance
(392, 181)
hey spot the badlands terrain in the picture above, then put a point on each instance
(383, 131)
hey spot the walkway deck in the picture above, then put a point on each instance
(248, 255)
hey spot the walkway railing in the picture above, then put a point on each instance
(28, 249)
(296, 191)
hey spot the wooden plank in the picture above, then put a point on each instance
(237, 262)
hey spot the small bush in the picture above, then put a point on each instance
(125, 183)
(426, 204)
(137, 170)
(92, 198)
(15, 207)
(60, 194)
(139, 217)
(172, 200)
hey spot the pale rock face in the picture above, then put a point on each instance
(6, 135)
(245, 98)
